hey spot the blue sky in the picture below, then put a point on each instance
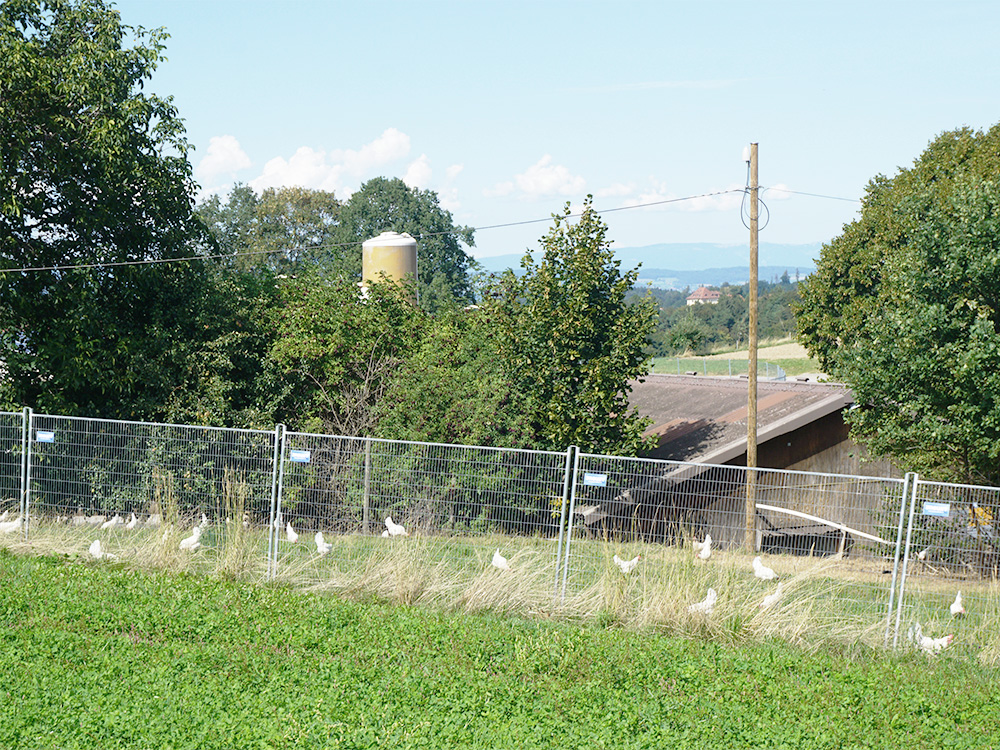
(510, 109)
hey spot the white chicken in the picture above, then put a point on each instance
(499, 561)
(5, 516)
(154, 520)
(393, 528)
(204, 522)
(928, 645)
(704, 549)
(322, 546)
(763, 572)
(771, 599)
(922, 554)
(97, 551)
(192, 543)
(116, 520)
(706, 605)
(132, 522)
(626, 566)
(291, 534)
(9, 527)
(956, 608)
(385, 533)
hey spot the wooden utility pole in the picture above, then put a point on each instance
(750, 540)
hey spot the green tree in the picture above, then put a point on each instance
(286, 230)
(93, 171)
(383, 205)
(451, 390)
(336, 352)
(569, 340)
(905, 308)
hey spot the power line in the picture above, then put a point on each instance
(331, 246)
(814, 195)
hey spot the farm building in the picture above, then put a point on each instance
(704, 420)
(703, 296)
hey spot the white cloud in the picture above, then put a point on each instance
(543, 178)
(546, 178)
(321, 170)
(725, 199)
(779, 192)
(224, 158)
(453, 171)
(499, 190)
(418, 174)
(617, 190)
(448, 200)
(390, 146)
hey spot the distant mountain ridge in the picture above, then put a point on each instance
(677, 265)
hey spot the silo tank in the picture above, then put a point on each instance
(392, 254)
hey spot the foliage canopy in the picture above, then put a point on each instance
(905, 308)
(93, 172)
(570, 340)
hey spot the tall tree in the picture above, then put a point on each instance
(383, 205)
(905, 308)
(571, 342)
(450, 389)
(286, 230)
(93, 171)
(337, 352)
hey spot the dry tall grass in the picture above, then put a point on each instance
(822, 601)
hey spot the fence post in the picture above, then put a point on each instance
(26, 416)
(277, 482)
(569, 522)
(906, 558)
(895, 565)
(366, 498)
(569, 480)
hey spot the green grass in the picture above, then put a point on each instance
(705, 366)
(98, 655)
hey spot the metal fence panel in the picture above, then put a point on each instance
(456, 504)
(142, 487)
(11, 455)
(826, 536)
(954, 548)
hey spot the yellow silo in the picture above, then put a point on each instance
(392, 255)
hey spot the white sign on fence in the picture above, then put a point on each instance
(942, 510)
(45, 436)
(595, 480)
(299, 457)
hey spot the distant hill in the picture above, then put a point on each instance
(679, 264)
(666, 278)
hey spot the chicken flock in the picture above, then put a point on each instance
(702, 551)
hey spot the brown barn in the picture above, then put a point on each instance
(800, 426)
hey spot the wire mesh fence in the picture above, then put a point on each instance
(952, 563)
(356, 509)
(876, 556)
(823, 537)
(142, 488)
(11, 463)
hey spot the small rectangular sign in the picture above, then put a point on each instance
(595, 480)
(45, 436)
(942, 510)
(299, 457)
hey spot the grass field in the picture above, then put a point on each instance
(789, 356)
(100, 655)
(824, 602)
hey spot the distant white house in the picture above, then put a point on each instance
(702, 296)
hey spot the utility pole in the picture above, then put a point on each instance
(750, 540)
